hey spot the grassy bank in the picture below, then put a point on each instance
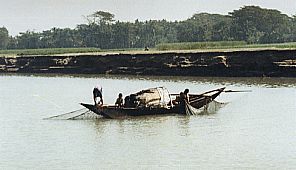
(220, 45)
(177, 47)
(199, 45)
(56, 51)
(48, 51)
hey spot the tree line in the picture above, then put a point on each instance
(251, 24)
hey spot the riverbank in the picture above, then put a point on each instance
(228, 63)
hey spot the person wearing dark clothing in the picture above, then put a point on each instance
(119, 101)
(97, 96)
(182, 102)
(127, 101)
(186, 94)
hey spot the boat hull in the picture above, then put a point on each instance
(112, 112)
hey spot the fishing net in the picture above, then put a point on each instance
(75, 115)
(209, 108)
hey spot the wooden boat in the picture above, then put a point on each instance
(155, 101)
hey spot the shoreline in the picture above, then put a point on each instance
(203, 63)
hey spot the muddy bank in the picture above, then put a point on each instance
(273, 63)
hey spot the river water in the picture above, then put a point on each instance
(256, 130)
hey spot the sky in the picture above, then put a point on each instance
(38, 15)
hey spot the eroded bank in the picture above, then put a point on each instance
(273, 63)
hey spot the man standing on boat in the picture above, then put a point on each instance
(183, 100)
(182, 103)
(97, 95)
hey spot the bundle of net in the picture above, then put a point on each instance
(210, 108)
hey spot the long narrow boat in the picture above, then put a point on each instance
(155, 101)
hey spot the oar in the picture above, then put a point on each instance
(230, 91)
(226, 91)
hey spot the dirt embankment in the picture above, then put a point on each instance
(273, 63)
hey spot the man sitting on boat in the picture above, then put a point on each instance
(97, 95)
(119, 101)
(183, 96)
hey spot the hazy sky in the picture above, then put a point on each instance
(21, 15)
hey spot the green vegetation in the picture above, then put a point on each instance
(222, 45)
(249, 24)
(160, 47)
(4, 38)
(49, 51)
(200, 45)
(291, 45)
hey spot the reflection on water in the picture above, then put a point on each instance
(255, 130)
(144, 125)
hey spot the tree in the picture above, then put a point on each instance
(12, 43)
(249, 23)
(4, 38)
(100, 17)
(204, 27)
(257, 25)
(206, 24)
(221, 30)
(293, 32)
(28, 40)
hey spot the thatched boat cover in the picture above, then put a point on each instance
(154, 97)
